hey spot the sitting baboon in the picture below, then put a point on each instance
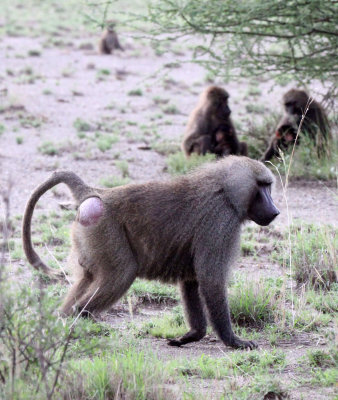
(184, 231)
(109, 40)
(210, 128)
(315, 124)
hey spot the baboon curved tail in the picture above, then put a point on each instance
(79, 190)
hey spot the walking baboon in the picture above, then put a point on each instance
(211, 120)
(184, 231)
(315, 125)
(109, 40)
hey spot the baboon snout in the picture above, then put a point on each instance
(263, 210)
(90, 211)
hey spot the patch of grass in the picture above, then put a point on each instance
(82, 126)
(255, 109)
(131, 374)
(34, 53)
(135, 92)
(2, 129)
(326, 302)
(105, 142)
(68, 72)
(314, 255)
(179, 164)
(29, 121)
(153, 292)
(210, 77)
(170, 109)
(47, 92)
(113, 181)
(49, 148)
(254, 91)
(236, 363)
(160, 100)
(169, 326)
(252, 303)
(19, 139)
(102, 74)
(323, 359)
(166, 147)
(327, 377)
(123, 166)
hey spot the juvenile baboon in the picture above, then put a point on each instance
(109, 40)
(315, 124)
(210, 128)
(226, 141)
(184, 231)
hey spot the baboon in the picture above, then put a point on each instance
(183, 231)
(315, 124)
(211, 120)
(109, 40)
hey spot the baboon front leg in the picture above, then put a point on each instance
(215, 296)
(194, 313)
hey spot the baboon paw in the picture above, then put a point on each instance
(243, 344)
(174, 342)
(90, 211)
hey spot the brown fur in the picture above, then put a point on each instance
(315, 124)
(109, 41)
(184, 231)
(211, 117)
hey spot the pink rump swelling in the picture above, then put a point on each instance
(90, 211)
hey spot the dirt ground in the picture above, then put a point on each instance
(42, 95)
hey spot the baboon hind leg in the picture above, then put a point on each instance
(111, 276)
(75, 293)
(110, 284)
(194, 312)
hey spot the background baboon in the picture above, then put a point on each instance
(184, 231)
(210, 128)
(315, 124)
(109, 40)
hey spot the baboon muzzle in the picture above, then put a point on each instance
(262, 209)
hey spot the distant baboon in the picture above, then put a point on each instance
(315, 124)
(109, 40)
(210, 128)
(184, 231)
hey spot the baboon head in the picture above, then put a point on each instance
(295, 101)
(248, 187)
(217, 99)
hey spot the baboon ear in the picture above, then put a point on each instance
(262, 209)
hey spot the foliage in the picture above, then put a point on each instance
(271, 38)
